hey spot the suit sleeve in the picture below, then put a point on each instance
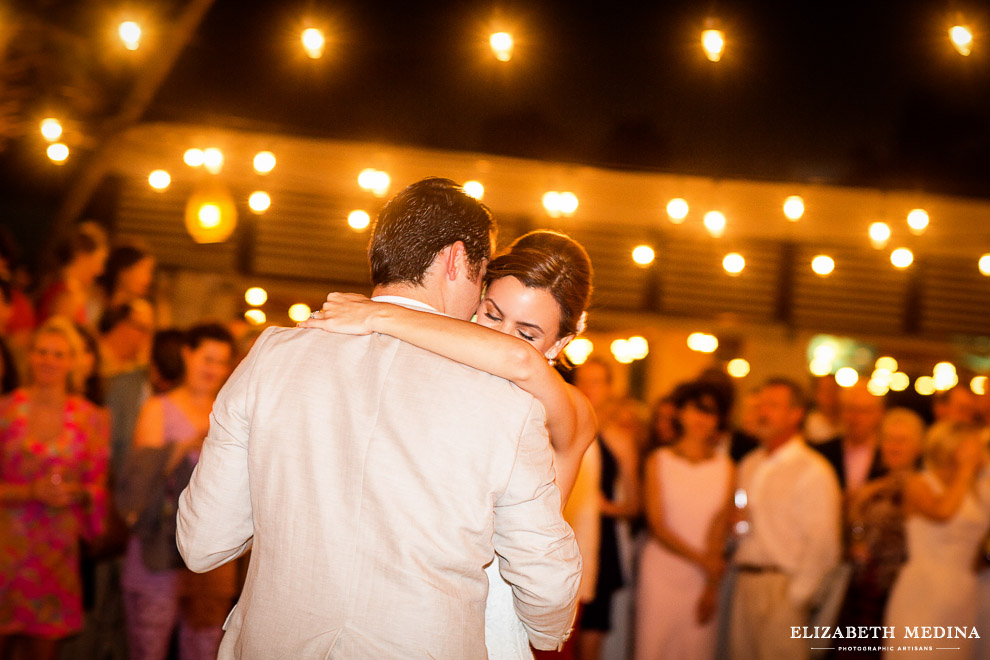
(215, 522)
(537, 553)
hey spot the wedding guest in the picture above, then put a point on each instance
(793, 509)
(166, 360)
(688, 492)
(159, 593)
(79, 259)
(876, 524)
(947, 506)
(855, 456)
(53, 460)
(20, 324)
(662, 415)
(955, 405)
(125, 340)
(824, 421)
(128, 274)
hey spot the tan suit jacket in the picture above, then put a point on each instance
(374, 481)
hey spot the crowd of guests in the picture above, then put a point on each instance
(710, 527)
(831, 511)
(102, 416)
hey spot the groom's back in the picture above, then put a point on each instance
(374, 468)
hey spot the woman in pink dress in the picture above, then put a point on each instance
(53, 462)
(687, 492)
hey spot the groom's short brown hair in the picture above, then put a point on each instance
(422, 220)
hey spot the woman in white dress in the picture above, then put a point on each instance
(948, 514)
(535, 298)
(688, 495)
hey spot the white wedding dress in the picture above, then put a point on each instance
(505, 635)
(937, 586)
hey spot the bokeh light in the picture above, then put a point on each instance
(51, 129)
(737, 368)
(359, 220)
(984, 265)
(643, 255)
(918, 220)
(255, 316)
(474, 189)
(130, 33)
(793, 208)
(256, 296)
(901, 257)
(213, 160)
(713, 43)
(846, 377)
(159, 179)
(313, 43)
(677, 210)
(58, 152)
(374, 180)
(621, 351)
(259, 201)
(702, 342)
(886, 362)
(925, 386)
(502, 45)
(962, 39)
(579, 350)
(264, 162)
(299, 312)
(978, 385)
(715, 223)
(733, 263)
(879, 234)
(899, 381)
(823, 265)
(193, 157)
(639, 348)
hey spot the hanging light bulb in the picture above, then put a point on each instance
(502, 45)
(713, 43)
(733, 263)
(643, 255)
(962, 39)
(677, 209)
(313, 43)
(879, 234)
(715, 223)
(917, 220)
(793, 208)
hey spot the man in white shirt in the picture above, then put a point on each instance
(793, 506)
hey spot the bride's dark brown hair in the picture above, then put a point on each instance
(553, 262)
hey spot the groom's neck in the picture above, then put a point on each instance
(413, 292)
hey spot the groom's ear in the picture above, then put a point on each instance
(454, 259)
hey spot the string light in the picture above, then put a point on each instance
(713, 43)
(733, 263)
(474, 189)
(264, 162)
(823, 265)
(159, 179)
(259, 201)
(643, 255)
(213, 160)
(579, 350)
(879, 234)
(299, 312)
(917, 220)
(702, 342)
(374, 180)
(130, 33)
(846, 377)
(359, 220)
(737, 368)
(793, 208)
(58, 152)
(715, 223)
(899, 381)
(985, 265)
(255, 316)
(677, 210)
(256, 296)
(925, 386)
(978, 385)
(193, 157)
(901, 257)
(886, 362)
(502, 45)
(51, 129)
(313, 43)
(962, 39)
(559, 204)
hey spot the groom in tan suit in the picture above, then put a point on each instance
(373, 480)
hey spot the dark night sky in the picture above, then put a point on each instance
(862, 93)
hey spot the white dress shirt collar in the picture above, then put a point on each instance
(407, 302)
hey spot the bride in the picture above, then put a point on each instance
(536, 297)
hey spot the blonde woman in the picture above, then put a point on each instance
(947, 518)
(53, 462)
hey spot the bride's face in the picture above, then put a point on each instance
(511, 307)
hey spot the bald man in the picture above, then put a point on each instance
(855, 456)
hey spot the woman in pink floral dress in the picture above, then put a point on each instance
(53, 460)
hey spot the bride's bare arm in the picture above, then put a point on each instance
(569, 418)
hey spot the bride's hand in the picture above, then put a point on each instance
(346, 313)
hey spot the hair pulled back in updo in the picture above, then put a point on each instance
(553, 262)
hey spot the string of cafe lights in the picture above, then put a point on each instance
(208, 216)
